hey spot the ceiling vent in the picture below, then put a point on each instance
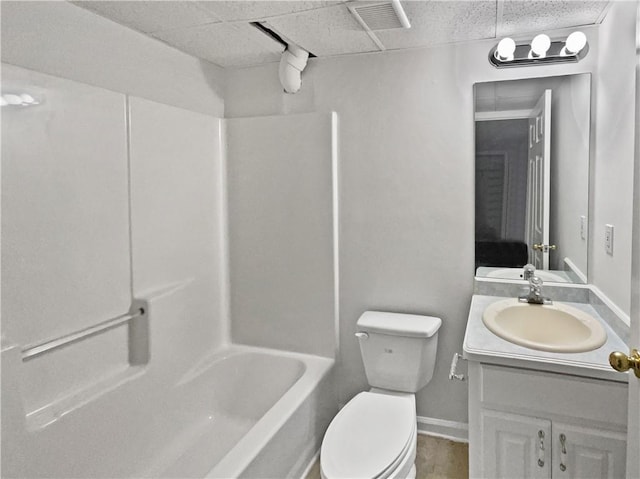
(380, 15)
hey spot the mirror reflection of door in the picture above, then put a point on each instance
(492, 178)
(501, 192)
(559, 192)
(538, 182)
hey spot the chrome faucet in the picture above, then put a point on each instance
(535, 295)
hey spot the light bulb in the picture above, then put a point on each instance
(27, 99)
(12, 99)
(540, 45)
(3, 102)
(575, 42)
(505, 49)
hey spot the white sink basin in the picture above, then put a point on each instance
(557, 327)
(518, 273)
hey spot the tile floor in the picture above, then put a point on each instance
(436, 458)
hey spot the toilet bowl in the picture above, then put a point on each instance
(374, 436)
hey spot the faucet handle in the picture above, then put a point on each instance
(535, 280)
(529, 271)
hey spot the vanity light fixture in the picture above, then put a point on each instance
(541, 50)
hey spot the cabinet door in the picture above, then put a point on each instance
(515, 446)
(584, 453)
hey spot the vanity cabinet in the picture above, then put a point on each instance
(587, 452)
(534, 424)
(515, 445)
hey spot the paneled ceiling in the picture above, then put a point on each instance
(221, 31)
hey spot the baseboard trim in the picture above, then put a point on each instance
(312, 463)
(453, 430)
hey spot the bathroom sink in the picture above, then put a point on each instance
(557, 327)
(517, 273)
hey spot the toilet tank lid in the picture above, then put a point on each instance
(398, 324)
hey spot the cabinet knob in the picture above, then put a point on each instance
(621, 362)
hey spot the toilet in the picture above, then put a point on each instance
(375, 435)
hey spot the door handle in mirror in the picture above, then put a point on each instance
(544, 247)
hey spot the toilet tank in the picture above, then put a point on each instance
(398, 350)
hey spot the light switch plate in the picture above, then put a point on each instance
(608, 238)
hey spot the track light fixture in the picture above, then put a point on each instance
(541, 50)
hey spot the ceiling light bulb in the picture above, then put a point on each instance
(27, 99)
(540, 45)
(3, 102)
(575, 42)
(505, 49)
(12, 99)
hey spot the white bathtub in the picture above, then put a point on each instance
(249, 412)
(240, 412)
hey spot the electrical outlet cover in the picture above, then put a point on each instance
(608, 238)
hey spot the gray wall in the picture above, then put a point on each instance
(406, 194)
(612, 171)
(406, 185)
(280, 204)
(570, 124)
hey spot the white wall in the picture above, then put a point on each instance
(614, 135)
(61, 39)
(177, 220)
(280, 190)
(102, 205)
(406, 185)
(105, 197)
(65, 226)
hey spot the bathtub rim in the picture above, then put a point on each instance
(246, 450)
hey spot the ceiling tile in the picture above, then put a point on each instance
(227, 45)
(151, 16)
(524, 16)
(218, 31)
(434, 23)
(324, 32)
(231, 11)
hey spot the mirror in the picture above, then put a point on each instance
(532, 177)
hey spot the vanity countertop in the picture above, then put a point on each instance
(482, 345)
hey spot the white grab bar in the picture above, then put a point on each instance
(35, 350)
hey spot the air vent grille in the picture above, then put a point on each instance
(377, 16)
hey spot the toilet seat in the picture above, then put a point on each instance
(370, 437)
